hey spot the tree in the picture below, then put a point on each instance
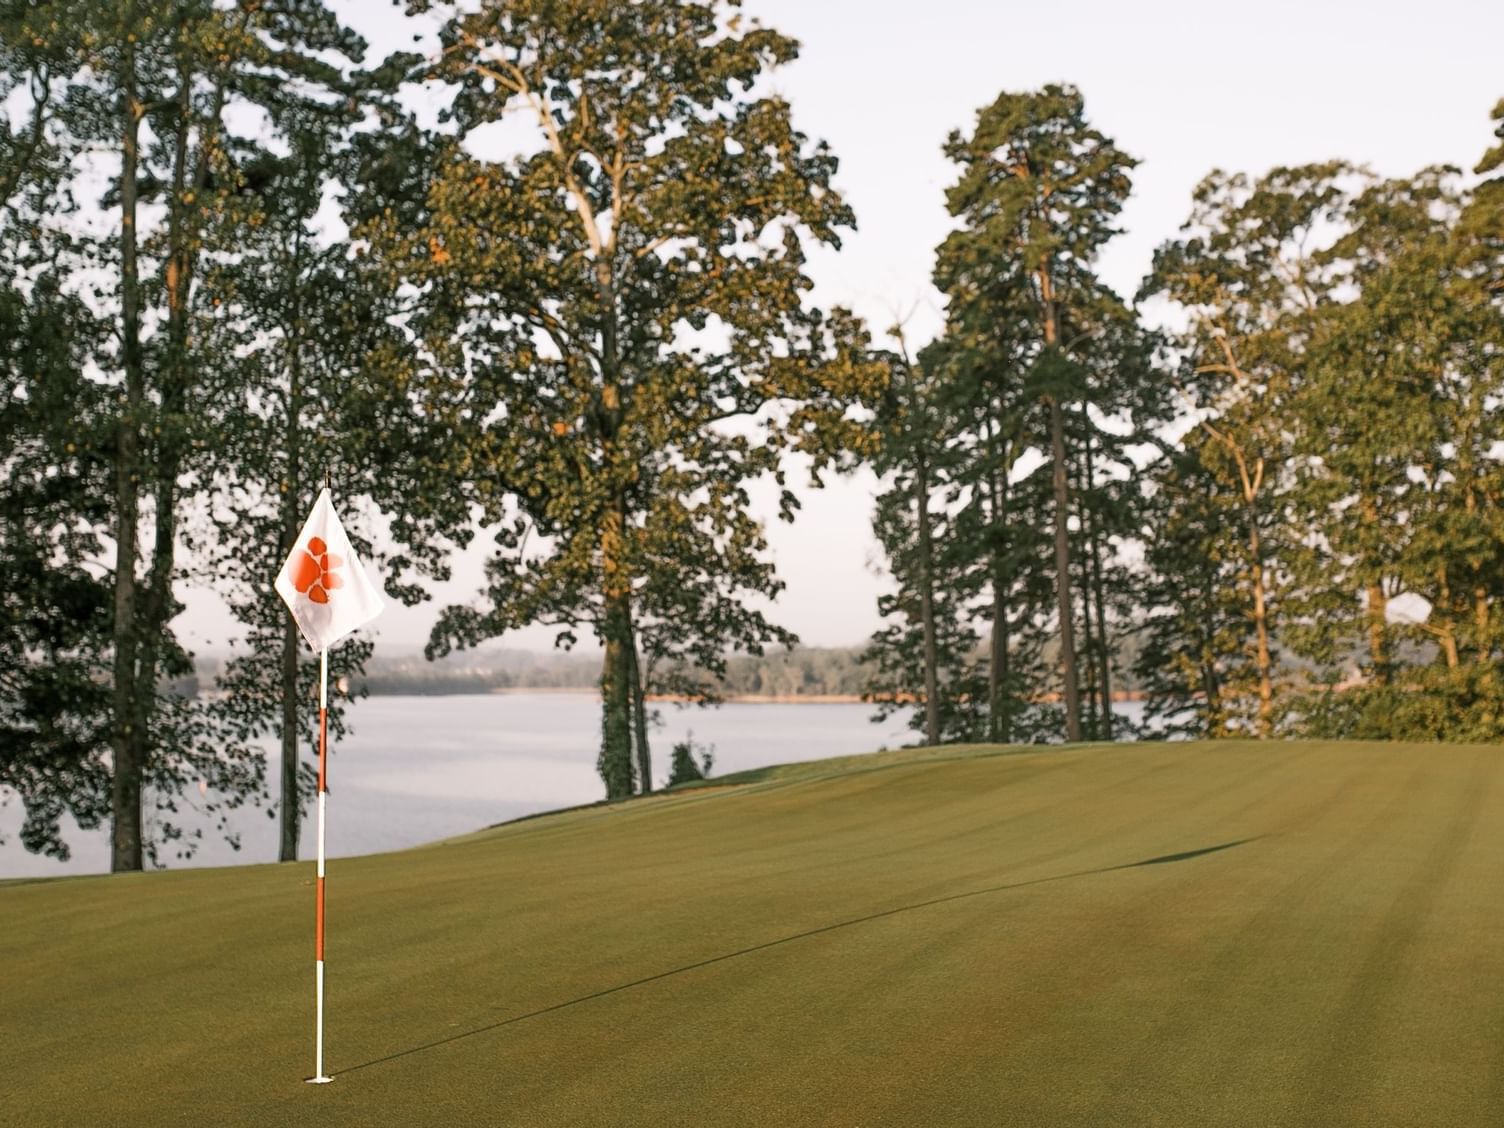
(1364, 406)
(1037, 195)
(1248, 276)
(54, 605)
(999, 510)
(1194, 663)
(296, 316)
(1342, 357)
(1413, 499)
(1126, 400)
(158, 85)
(637, 347)
(926, 653)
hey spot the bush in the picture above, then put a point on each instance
(1465, 704)
(684, 767)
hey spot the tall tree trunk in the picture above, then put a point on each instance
(1446, 620)
(1378, 650)
(615, 762)
(1212, 689)
(927, 601)
(1481, 612)
(999, 714)
(172, 416)
(639, 712)
(1260, 627)
(152, 607)
(1104, 640)
(616, 690)
(125, 789)
(1061, 481)
(1063, 601)
(1378, 603)
(1088, 652)
(616, 579)
(1001, 582)
(1005, 650)
(292, 493)
(291, 809)
(997, 662)
(1483, 651)
(994, 659)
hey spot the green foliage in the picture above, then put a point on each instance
(296, 316)
(1343, 356)
(1195, 665)
(1252, 273)
(1434, 704)
(923, 659)
(1493, 159)
(1041, 368)
(1037, 180)
(144, 413)
(636, 348)
(54, 607)
(691, 762)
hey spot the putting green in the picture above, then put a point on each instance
(1178, 935)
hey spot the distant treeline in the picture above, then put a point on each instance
(801, 672)
(812, 671)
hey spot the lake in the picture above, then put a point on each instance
(416, 769)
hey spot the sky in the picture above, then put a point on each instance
(1186, 86)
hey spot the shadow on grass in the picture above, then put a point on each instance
(1181, 857)
(1163, 859)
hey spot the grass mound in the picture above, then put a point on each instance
(1118, 935)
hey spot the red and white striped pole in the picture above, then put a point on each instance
(329, 595)
(318, 1077)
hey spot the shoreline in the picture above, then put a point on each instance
(679, 698)
(729, 699)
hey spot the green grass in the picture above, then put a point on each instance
(946, 937)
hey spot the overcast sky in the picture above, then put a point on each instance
(1184, 85)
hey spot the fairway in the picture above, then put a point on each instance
(1168, 934)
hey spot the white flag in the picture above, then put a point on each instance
(323, 584)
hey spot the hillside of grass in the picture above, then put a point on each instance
(1231, 934)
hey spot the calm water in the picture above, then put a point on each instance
(417, 769)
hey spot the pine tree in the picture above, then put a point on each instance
(1037, 196)
(1126, 400)
(162, 86)
(297, 316)
(54, 608)
(998, 550)
(1198, 673)
(925, 652)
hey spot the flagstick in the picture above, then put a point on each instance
(318, 1077)
(322, 561)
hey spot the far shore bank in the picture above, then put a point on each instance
(747, 698)
(679, 698)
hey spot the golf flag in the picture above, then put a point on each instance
(323, 584)
(329, 595)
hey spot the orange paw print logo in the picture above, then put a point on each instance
(314, 573)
